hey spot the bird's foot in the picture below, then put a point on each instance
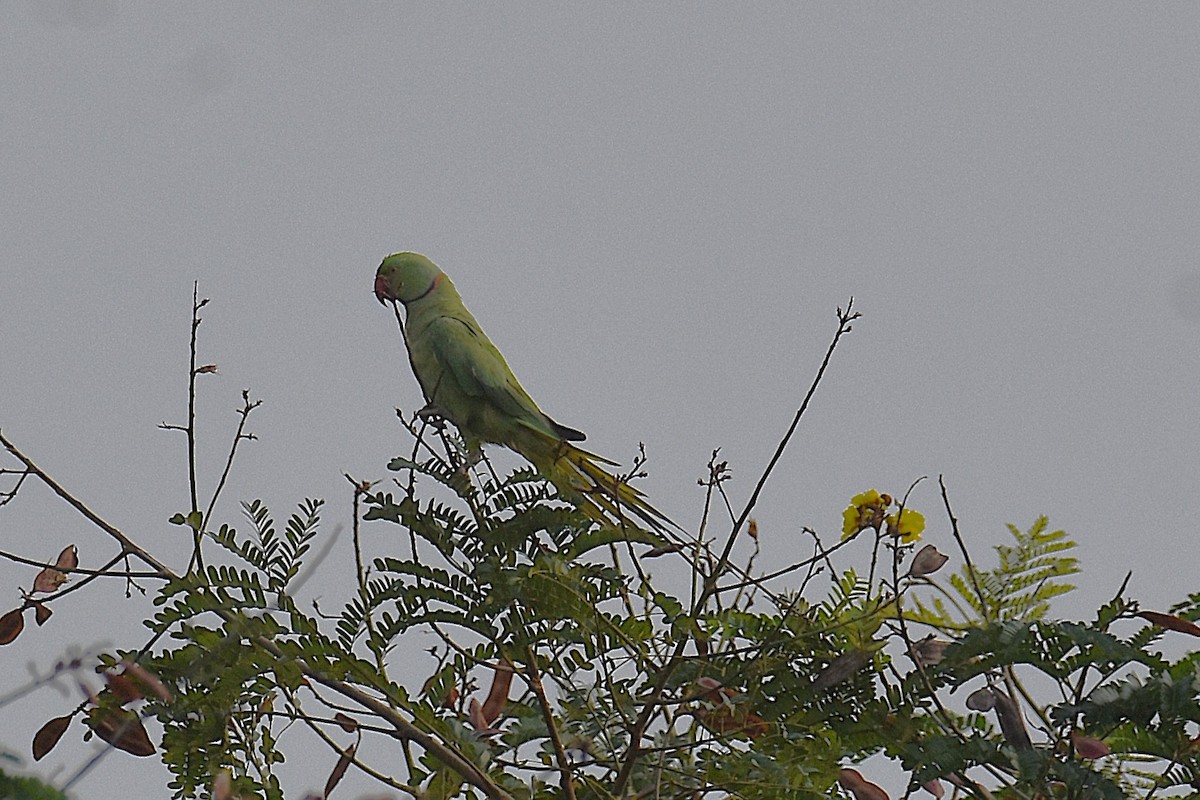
(433, 416)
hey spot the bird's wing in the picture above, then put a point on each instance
(479, 372)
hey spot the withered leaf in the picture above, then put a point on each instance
(852, 781)
(1170, 622)
(68, 558)
(729, 714)
(123, 687)
(222, 788)
(662, 550)
(122, 729)
(346, 723)
(50, 578)
(497, 697)
(842, 668)
(147, 682)
(475, 715)
(339, 769)
(41, 613)
(48, 736)
(11, 625)
(1089, 746)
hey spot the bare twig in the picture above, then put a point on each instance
(103, 572)
(9, 496)
(243, 413)
(845, 318)
(984, 611)
(197, 304)
(127, 544)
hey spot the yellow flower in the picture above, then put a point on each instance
(907, 524)
(865, 511)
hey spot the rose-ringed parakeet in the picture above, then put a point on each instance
(466, 380)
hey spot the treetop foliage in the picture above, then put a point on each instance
(576, 659)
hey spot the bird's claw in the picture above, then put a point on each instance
(433, 416)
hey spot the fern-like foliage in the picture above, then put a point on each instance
(666, 695)
(1021, 586)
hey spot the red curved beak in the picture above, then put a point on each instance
(382, 292)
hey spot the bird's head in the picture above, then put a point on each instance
(406, 277)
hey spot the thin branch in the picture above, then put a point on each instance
(102, 572)
(127, 544)
(534, 677)
(244, 413)
(386, 780)
(984, 611)
(10, 495)
(845, 318)
(197, 304)
(405, 729)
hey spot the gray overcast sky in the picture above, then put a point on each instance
(654, 211)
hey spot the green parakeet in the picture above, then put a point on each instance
(466, 380)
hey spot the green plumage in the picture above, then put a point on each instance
(466, 380)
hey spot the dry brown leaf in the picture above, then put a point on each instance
(728, 715)
(1089, 747)
(123, 687)
(497, 697)
(11, 625)
(842, 668)
(122, 729)
(927, 561)
(51, 578)
(147, 682)
(1170, 622)
(222, 788)
(339, 769)
(48, 736)
(68, 559)
(852, 781)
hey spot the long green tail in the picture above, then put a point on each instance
(602, 496)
